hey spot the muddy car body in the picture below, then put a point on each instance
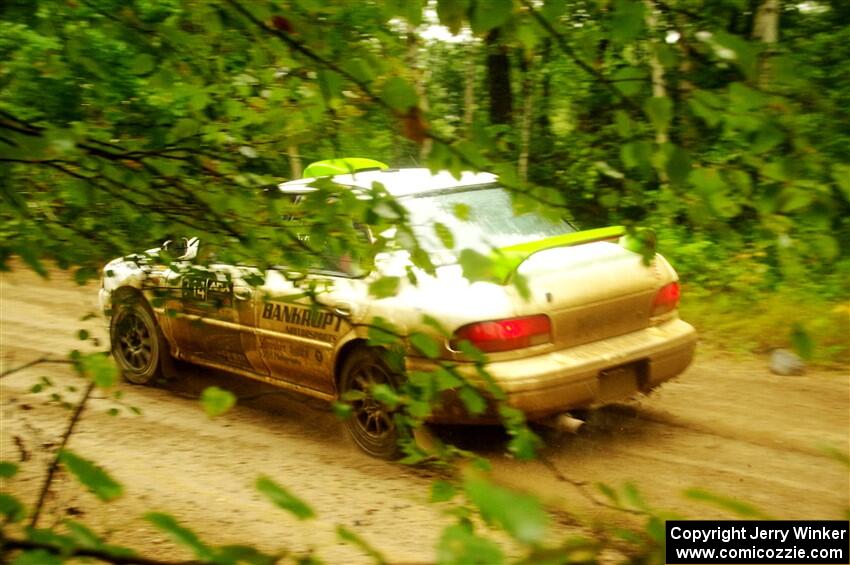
(597, 323)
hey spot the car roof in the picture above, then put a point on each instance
(398, 182)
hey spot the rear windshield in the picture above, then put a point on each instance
(491, 221)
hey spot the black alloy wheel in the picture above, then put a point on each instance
(371, 424)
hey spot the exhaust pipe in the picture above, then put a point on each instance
(564, 423)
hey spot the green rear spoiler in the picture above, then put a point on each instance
(641, 242)
(346, 166)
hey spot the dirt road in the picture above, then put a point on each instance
(727, 426)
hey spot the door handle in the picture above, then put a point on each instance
(343, 309)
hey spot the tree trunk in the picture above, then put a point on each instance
(544, 119)
(420, 82)
(294, 161)
(659, 84)
(499, 80)
(469, 93)
(527, 90)
(766, 30)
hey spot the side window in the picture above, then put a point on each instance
(330, 257)
(346, 262)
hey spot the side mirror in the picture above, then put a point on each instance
(183, 249)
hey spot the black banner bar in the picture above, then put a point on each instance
(695, 542)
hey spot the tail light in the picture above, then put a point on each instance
(667, 298)
(505, 335)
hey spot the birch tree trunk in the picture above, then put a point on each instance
(294, 161)
(469, 93)
(766, 30)
(659, 85)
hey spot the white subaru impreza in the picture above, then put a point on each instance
(595, 322)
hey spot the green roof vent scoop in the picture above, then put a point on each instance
(345, 166)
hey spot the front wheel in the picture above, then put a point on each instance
(137, 342)
(371, 424)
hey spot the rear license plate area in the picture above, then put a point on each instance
(619, 383)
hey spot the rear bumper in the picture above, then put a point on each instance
(572, 378)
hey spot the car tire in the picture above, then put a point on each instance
(371, 424)
(138, 346)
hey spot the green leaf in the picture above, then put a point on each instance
(11, 507)
(461, 211)
(477, 266)
(659, 110)
(451, 13)
(489, 14)
(284, 499)
(342, 410)
(446, 379)
(744, 51)
(624, 124)
(180, 534)
(233, 554)
(349, 536)
(82, 535)
(93, 477)
(142, 64)
(524, 443)
(216, 401)
(384, 287)
(628, 22)
(472, 400)
(411, 10)
(609, 493)
(767, 137)
(426, 344)
(803, 343)
(630, 80)
(632, 497)
(8, 469)
(100, 369)
(825, 246)
(678, 165)
(608, 171)
(841, 176)
(459, 545)
(399, 94)
(331, 84)
(520, 515)
(731, 504)
(383, 332)
(385, 395)
(441, 491)
(444, 234)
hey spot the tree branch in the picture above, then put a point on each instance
(571, 53)
(54, 464)
(43, 359)
(11, 544)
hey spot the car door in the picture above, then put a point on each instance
(298, 334)
(213, 316)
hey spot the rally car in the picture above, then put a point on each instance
(595, 322)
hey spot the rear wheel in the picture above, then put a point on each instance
(371, 424)
(138, 345)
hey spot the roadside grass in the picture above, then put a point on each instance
(760, 323)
